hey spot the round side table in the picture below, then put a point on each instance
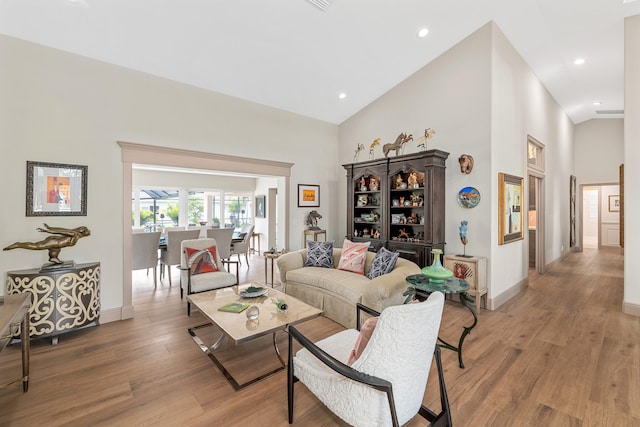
(421, 286)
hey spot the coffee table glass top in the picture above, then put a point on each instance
(237, 326)
(452, 285)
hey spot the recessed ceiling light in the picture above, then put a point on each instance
(579, 61)
(342, 95)
(423, 32)
(597, 102)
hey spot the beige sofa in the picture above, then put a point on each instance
(337, 291)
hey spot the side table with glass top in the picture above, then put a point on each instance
(420, 286)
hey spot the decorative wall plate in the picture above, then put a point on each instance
(468, 197)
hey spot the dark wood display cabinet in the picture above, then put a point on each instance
(398, 202)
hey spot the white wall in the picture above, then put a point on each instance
(631, 302)
(483, 100)
(521, 106)
(599, 151)
(452, 96)
(63, 108)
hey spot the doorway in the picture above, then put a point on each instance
(535, 222)
(590, 217)
(132, 153)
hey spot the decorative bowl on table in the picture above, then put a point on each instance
(436, 272)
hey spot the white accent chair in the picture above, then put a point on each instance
(171, 255)
(386, 384)
(205, 281)
(144, 248)
(242, 247)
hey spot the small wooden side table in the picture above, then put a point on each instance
(14, 317)
(314, 234)
(252, 249)
(473, 269)
(270, 256)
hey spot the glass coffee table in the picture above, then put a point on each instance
(421, 286)
(238, 328)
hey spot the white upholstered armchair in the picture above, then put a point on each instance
(386, 384)
(195, 265)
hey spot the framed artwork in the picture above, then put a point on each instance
(510, 219)
(614, 203)
(308, 196)
(55, 189)
(260, 207)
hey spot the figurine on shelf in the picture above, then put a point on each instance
(399, 181)
(463, 238)
(363, 184)
(413, 180)
(416, 199)
(401, 200)
(373, 183)
(376, 234)
(402, 234)
(355, 233)
(413, 219)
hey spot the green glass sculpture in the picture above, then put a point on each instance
(436, 272)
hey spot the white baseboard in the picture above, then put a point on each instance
(631, 309)
(116, 314)
(505, 296)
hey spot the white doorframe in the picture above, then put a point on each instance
(132, 153)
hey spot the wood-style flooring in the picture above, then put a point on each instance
(560, 353)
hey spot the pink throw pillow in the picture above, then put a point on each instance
(363, 339)
(353, 256)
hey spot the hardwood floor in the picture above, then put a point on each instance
(559, 354)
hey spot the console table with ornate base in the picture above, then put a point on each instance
(61, 299)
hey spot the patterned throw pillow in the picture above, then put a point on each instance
(353, 256)
(319, 254)
(383, 263)
(201, 260)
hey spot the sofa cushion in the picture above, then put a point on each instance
(353, 256)
(320, 254)
(343, 283)
(383, 263)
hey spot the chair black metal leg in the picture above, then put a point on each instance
(188, 309)
(290, 380)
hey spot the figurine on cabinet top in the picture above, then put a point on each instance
(373, 145)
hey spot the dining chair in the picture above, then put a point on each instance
(171, 255)
(385, 385)
(242, 247)
(223, 238)
(144, 248)
(202, 269)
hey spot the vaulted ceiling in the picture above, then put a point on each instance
(291, 55)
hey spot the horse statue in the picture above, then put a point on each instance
(402, 139)
(311, 220)
(422, 141)
(359, 148)
(373, 145)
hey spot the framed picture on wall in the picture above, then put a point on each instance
(308, 196)
(55, 189)
(260, 207)
(510, 213)
(614, 203)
